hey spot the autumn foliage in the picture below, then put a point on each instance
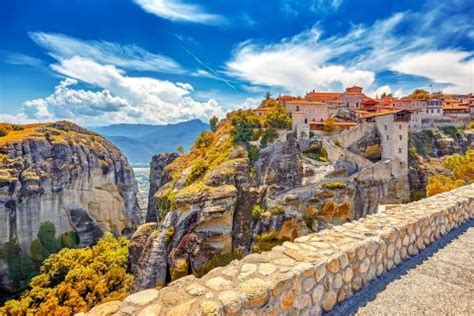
(75, 280)
(462, 170)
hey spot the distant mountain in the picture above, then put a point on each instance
(139, 142)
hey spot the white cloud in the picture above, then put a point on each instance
(123, 98)
(176, 10)
(297, 64)
(309, 60)
(124, 56)
(455, 68)
(384, 89)
(67, 103)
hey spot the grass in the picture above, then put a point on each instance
(266, 241)
(335, 185)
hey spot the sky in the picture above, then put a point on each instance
(99, 62)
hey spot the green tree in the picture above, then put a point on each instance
(213, 123)
(277, 117)
(180, 150)
(74, 280)
(419, 94)
(330, 125)
(47, 237)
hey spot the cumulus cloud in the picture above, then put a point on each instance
(67, 103)
(123, 98)
(448, 67)
(124, 56)
(176, 10)
(309, 60)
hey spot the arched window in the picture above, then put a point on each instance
(297, 108)
(306, 121)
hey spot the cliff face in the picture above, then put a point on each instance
(65, 174)
(427, 150)
(235, 206)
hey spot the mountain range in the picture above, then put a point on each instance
(139, 142)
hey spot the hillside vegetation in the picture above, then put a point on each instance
(75, 280)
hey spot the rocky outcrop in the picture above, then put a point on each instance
(65, 174)
(427, 149)
(236, 207)
(157, 180)
(312, 274)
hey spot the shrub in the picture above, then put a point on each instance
(335, 185)
(69, 240)
(266, 241)
(257, 211)
(451, 130)
(337, 142)
(47, 237)
(218, 260)
(38, 252)
(317, 154)
(309, 221)
(199, 167)
(330, 125)
(74, 280)
(243, 124)
(20, 267)
(269, 136)
(3, 132)
(169, 234)
(164, 203)
(277, 117)
(213, 123)
(253, 153)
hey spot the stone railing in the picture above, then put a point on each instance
(311, 274)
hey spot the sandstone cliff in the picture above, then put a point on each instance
(220, 202)
(65, 174)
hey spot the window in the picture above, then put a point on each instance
(399, 127)
(347, 103)
(401, 137)
(385, 127)
(306, 121)
(399, 150)
(387, 137)
(297, 108)
(438, 110)
(357, 104)
(401, 163)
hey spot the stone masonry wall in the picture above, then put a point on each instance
(311, 274)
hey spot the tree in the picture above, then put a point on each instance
(180, 150)
(73, 280)
(213, 123)
(47, 237)
(419, 94)
(462, 170)
(330, 125)
(277, 117)
(268, 95)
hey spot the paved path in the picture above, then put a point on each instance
(439, 281)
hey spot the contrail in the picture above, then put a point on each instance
(215, 73)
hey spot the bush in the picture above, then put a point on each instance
(257, 211)
(451, 131)
(277, 117)
(317, 154)
(330, 125)
(20, 267)
(38, 252)
(213, 123)
(218, 260)
(69, 240)
(74, 280)
(266, 241)
(253, 153)
(169, 234)
(164, 203)
(335, 185)
(243, 124)
(269, 136)
(47, 237)
(3, 132)
(199, 167)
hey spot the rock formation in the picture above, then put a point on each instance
(427, 149)
(158, 163)
(218, 203)
(62, 173)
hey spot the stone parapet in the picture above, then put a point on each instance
(313, 273)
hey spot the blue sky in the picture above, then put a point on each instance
(158, 61)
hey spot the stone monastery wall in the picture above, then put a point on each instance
(313, 273)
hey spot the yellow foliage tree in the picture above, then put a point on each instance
(462, 170)
(74, 280)
(330, 125)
